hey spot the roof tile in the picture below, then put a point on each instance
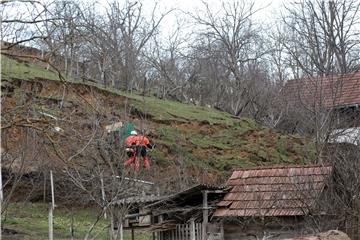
(330, 91)
(277, 191)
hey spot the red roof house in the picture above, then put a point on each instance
(337, 91)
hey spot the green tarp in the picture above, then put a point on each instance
(125, 131)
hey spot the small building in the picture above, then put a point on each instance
(185, 215)
(338, 94)
(272, 202)
(180, 216)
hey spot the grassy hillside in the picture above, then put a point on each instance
(202, 139)
(196, 143)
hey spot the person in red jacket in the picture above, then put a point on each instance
(142, 143)
(137, 143)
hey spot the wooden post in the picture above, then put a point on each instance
(205, 214)
(51, 208)
(52, 190)
(51, 233)
(72, 225)
(1, 194)
(103, 194)
(222, 230)
(44, 197)
(132, 234)
(121, 229)
(192, 229)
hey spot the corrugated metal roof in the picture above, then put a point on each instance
(331, 91)
(273, 191)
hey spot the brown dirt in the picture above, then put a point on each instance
(199, 127)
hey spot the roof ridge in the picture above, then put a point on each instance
(283, 167)
(333, 76)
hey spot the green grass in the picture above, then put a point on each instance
(172, 110)
(31, 221)
(10, 68)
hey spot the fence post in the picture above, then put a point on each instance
(192, 229)
(51, 233)
(51, 208)
(52, 190)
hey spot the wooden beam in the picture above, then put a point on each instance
(50, 219)
(205, 214)
(137, 214)
(171, 210)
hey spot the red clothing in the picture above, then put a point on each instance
(133, 159)
(141, 140)
(137, 143)
(130, 140)
(138, 140)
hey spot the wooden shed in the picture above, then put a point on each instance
(185, 215)
(272, 202)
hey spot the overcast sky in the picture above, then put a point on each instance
(265, 14)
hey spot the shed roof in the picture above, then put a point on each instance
(275, 191)
(138, 200)
(334, 91)
(189, 196)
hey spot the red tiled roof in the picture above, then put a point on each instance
(277, 191)
(332, 91)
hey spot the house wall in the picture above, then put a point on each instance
(275, 228)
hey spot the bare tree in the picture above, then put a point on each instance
(322, 38)
(232, 33)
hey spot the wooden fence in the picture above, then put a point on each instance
(190, 231)
(193, 231)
